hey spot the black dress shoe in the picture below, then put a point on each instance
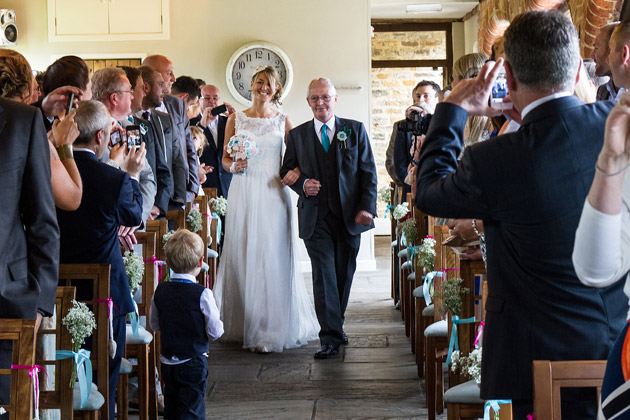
(345, 339)
(326, 351)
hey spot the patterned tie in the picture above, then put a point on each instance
(325, 139)
(146, 115)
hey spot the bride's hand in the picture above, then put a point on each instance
(240, 165)
(291, 176)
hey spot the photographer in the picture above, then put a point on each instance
(410, 132)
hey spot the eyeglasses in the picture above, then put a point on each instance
(123, 91)
(325, 98)
(211, 98)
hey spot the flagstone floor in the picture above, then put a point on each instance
(373, 377)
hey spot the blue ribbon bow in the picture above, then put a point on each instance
(218, 219)
(454, 343)
(387, 210)
(495, 407)
(133, 318)
(426, 285)
(411, 252)
(84, 370)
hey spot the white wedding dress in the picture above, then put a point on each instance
(259, 291)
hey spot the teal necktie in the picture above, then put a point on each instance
(325, 139)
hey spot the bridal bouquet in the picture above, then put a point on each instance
(241, 147)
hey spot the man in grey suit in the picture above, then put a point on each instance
(176, 108)
(29, 253)
(337, 202)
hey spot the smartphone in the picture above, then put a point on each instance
(115, 137)
(218, 110)
(70, 103)
(499, 92)
(133, 136)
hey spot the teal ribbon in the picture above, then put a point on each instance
(133, 318)
(426, 285)
(84, 370)
(388, 209)
(218, 219)
(403, 241)
(495, 407)
(411, 252)
(454, 343)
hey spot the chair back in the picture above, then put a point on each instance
(58, 372)
(160, 228)
(92, 283)
(176, 219)
(550, 377)
(22, 333)
(148, 242)
(206, 216)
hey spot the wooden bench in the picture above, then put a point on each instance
(22, 333)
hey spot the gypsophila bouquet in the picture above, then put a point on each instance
(166, 237)
(134, 267)
(81, 323)
(218, 205)
(400, 211)
(193, 218)
(410, 230)
(426, 254)
(385, 194)
(449, 293)
(469, 365)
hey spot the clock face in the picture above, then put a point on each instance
(247, 59)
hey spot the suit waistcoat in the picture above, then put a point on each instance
(329, 198)
(182, 323)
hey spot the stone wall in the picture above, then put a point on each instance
(391, 87)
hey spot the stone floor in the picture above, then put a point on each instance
(373, 377)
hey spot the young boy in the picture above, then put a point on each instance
(186, 314)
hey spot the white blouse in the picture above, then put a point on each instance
(601, 254)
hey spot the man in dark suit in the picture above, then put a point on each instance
(176, 108)
(337, 202)
(165, 136)
(601, 50)
(111, 198)
(29, 253)
(529, 188)
(213, 127)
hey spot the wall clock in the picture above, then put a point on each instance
(244, 62)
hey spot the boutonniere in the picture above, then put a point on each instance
(143, 129)
(343, 135)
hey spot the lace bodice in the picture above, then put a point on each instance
(268, 133)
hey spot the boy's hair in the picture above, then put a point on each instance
(183, 251)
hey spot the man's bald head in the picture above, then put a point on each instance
(164, 66)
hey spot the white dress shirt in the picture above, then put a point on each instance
(330, 125)
(541, 101)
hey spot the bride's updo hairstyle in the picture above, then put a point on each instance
(274, 81)
(16, 77)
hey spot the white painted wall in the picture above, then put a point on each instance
(471, 29)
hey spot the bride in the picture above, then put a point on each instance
(261, 295)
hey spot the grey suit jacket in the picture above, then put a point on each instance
(357, 174)
(177, 110)
(170, 147)
(29, 250)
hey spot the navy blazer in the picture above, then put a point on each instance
(212, 156)
(402, 157)
(29, 250)
(529, 188)
(356, 171)
(181, 124)
(89, 235)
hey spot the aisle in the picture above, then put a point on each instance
(373, 377)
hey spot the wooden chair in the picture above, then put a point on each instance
(202, 203)
(550, 377)
(420, 322)
(214, 244)
(22, 333)
(176, 219)
(143, 348)
(160, 228)
(395, 244)
(92, 282)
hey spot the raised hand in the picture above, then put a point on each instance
(615, 155)
(134, 160)
(56, 102)
(65, 130)
(473, 94)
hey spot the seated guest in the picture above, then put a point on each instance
(410, 130)
(602, 242)
(186, 314)
(111, 198)
(155, 157)
(111, 87)
(16, 84)
(529, 187)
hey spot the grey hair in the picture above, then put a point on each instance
(91, 117)
(326, 80)
(543, 50)
(107, 81)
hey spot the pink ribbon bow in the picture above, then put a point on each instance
(479, 331)
(32, 372)
(109, 302)
(158, 263)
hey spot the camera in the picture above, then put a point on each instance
(415, 124)
(133, 136)
(499, 91)
(218, 110)
(115, 138)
